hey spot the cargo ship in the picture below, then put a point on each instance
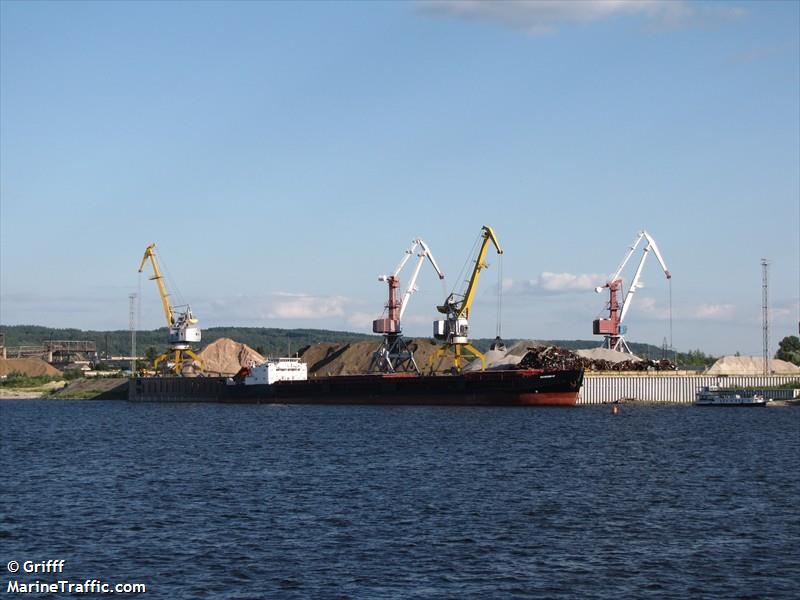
(285, 381)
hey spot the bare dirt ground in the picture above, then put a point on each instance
(40, 391)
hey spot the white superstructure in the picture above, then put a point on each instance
(277, 369)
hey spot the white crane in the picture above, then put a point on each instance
(612, 327)
(394, 354)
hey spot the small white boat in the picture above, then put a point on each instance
(712, 395)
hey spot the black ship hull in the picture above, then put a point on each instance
(524, 387)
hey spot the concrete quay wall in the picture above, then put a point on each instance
(599, 389)
(173, 389)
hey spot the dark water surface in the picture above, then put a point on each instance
(215, 501)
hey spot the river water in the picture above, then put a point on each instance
(245, 501)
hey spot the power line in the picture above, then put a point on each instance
(132, 324)
(765, 314)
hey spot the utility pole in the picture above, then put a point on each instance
(765, 314)
(132, 324)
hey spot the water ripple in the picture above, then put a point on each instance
(367, 502)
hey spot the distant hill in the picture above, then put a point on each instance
(265, 340)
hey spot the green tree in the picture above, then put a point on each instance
(789, 349)
(694, 359)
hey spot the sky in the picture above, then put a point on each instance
(282, 156)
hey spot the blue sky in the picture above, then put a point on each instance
(283, 155)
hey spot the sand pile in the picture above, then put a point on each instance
(355, 358)
(612, 356)
(226, 357)
(750, 365)
(33, 367)
(339, 359)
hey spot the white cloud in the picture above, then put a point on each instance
(420, 319)
(785, 313)
(717, 312)
(555, 283)
(259, 309)
(567, 282)
(543, 16)
(304, 306)
(362, 320)
(649, 307)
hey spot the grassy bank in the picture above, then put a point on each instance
(56, 388)
(93, 389)
(18, 381)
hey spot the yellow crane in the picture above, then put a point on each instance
(182, 324)
(454, 328)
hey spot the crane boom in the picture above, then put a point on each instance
(412, 283)
(406, 255)
(652, 243)
(627, 257)
(480, 264)
(626, 304)
(150, 252)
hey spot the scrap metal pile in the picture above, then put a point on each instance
(552, 357)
